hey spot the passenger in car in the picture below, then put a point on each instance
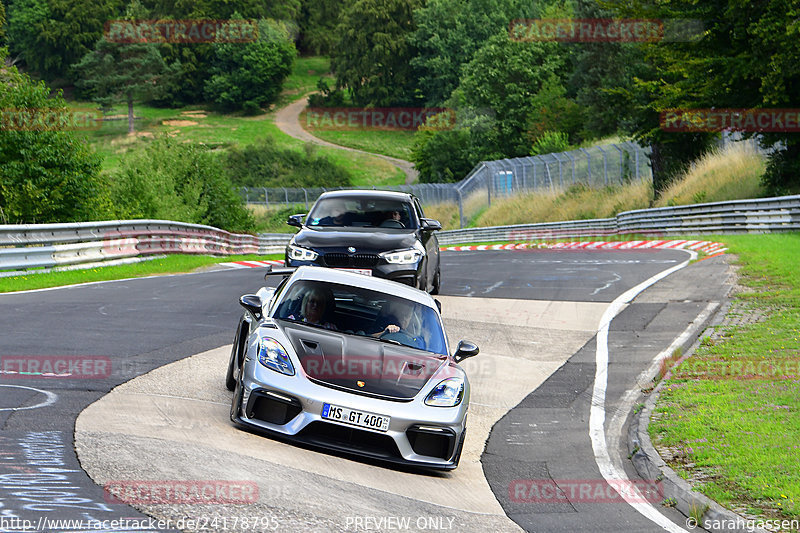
(317, 304)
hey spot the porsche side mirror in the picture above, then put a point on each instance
(464, 350)
(253, 304)
(431, 224)
(438, 304)
(296, 220)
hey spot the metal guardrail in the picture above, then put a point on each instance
(46, 246)
(738, 216)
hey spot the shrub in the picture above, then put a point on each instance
(264, 164)
(181, 182)
(550, 142)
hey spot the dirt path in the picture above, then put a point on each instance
(288, 121)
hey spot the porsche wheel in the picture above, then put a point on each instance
(236, 402)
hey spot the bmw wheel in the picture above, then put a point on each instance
(437, 281)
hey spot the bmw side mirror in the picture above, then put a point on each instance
(296, 220)
(438, 304)
(253, 304)
(464, 350)
(431, 224)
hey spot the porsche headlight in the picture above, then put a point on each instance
(405, 257)
(273, 356)
(448, 393)
(298, 253)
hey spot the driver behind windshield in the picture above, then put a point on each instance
(396, 318)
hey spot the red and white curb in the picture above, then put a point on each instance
(251, 264)
(707, 247)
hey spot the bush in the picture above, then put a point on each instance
(264, 164)
(442, 156)
(550, 142)
(181, 182)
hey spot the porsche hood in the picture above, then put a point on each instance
(361, 364)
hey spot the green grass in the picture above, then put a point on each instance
(222, 130)
(394, 143)
(723, 411)
(167, 265)
(304, 77)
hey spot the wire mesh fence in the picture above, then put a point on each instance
(597, 166)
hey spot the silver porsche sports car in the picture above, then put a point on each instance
(351, 363)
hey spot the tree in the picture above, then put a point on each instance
(745, 57)
(116, 71)
(196, 58)
(318, 22)
(602, 73)
(372, 56)
(51, 35)
(47, 173)
(504, 76)
(250, 75)
(449, 32)
(2, 25)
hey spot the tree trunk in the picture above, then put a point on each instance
(657, 166)
(130, 113)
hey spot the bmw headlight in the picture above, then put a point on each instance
(298, 253)
(448, 393)
(273, 356)
(405, 257)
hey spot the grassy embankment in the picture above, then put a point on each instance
(166, 265)
(220, 131)
(728, 418)
(730, 174)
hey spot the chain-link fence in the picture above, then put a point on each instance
(428, 193)
(597, 166)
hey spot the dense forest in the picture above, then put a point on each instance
(512, 94)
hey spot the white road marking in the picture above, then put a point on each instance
(51, 398)
(597, 417)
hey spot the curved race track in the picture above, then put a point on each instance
(535, 315)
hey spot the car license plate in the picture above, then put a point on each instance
(354, 417)
(364, 271)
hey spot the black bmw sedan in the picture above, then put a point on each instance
(377, 233)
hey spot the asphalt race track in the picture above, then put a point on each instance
(536, 314)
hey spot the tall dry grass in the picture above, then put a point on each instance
(731, 173)
(578, 202)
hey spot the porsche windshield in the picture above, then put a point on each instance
(358, 311)
(361, 212)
